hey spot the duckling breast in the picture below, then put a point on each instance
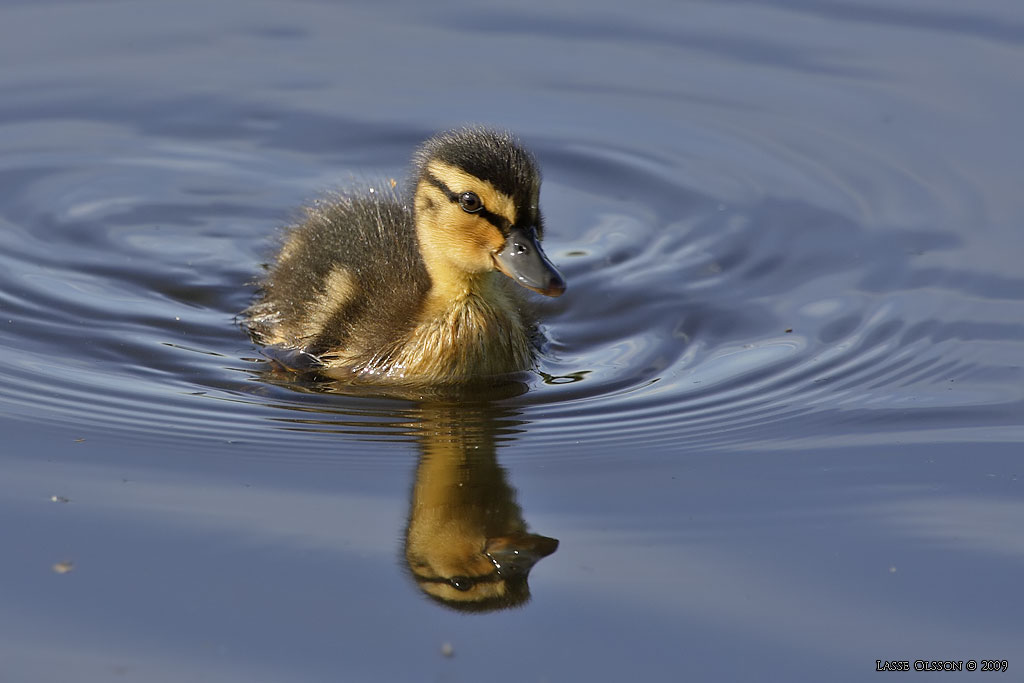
(472, 337)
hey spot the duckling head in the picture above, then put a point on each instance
(467, 572)
(477, 211)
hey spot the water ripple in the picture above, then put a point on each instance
(690, 322)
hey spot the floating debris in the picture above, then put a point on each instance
(64, 567)
(60, 499)
(447, 650)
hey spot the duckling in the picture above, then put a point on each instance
(378, 290)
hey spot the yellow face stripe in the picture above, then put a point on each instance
(458, 181)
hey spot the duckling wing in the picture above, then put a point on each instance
(350, 275)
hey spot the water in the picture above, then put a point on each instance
(776, 426)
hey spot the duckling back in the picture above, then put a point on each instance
(349, 276)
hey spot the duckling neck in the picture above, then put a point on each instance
(451, 290)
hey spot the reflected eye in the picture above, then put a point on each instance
(461, 583)
(470, 202)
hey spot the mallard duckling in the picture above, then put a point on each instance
(376, 290)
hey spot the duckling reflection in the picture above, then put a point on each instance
(466, 544)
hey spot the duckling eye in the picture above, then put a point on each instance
(470, 203)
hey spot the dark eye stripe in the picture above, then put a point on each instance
(441, 186)
(498, 221)
(464, 582)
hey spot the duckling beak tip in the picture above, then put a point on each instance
(523, 260)
(554, 288)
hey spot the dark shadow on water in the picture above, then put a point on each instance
(594, 27)
(926, 17)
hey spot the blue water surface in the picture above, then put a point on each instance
(776, 427)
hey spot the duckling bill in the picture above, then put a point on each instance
(418, 290)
